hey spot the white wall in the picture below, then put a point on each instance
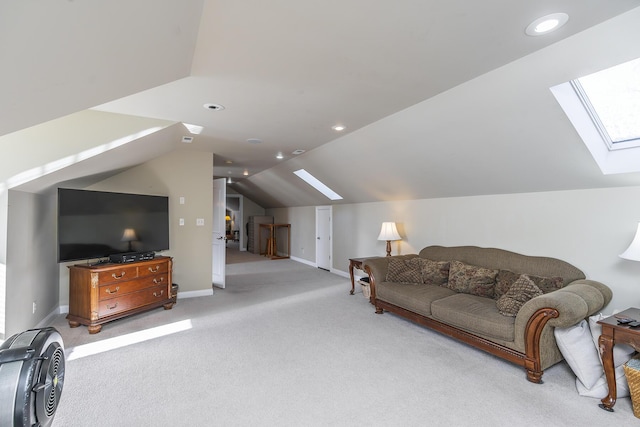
(587, 228)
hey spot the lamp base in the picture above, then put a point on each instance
(388, 247)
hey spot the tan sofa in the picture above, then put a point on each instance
(458, 294)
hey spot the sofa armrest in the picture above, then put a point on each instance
(573, 303)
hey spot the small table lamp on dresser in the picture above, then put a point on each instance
(389, 232)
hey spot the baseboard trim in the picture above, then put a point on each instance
(195, 294)
(304, 261)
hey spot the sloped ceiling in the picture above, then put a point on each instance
(440, 99)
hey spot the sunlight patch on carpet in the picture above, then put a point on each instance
(128, 339)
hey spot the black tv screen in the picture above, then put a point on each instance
(96, 224)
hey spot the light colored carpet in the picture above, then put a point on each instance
(286, 345)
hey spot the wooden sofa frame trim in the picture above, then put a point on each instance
(530, 359)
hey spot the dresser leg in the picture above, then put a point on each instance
(94, 329)
(73, 324)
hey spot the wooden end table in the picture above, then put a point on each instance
(356, 263)
(612, 334)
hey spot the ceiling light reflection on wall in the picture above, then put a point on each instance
(546, 24)
(245, 173)
(194, 129)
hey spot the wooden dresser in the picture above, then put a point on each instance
(106, 292)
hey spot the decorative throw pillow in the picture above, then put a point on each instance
(405, 270)
(506, 278)
(576, 346)
(520, 292)
(435, 272)
(471, 279)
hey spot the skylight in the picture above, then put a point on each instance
(317, 184)
(612, 98)
(604, 108)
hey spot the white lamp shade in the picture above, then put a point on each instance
(389, 232)
(633, 251)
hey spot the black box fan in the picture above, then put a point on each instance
(31, 377)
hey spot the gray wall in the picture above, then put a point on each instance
(32, 269)
(178, 174)
(587, 228)
(303, 230)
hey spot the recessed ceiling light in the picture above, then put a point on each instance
(254, 141)
(245, 173)
(229, 162)
(546, 24)
(338, 128)
(279, 156)
(215, 107)
(187, 139)
(296, 152)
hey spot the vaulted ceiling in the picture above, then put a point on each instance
(439, 99)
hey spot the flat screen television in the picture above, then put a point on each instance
(97, 224)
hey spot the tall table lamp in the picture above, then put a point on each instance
(633, 251)
(389, 232)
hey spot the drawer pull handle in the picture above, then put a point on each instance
(120, 276)
(109, 291)
(155, 294)
(156, 281)
(112, 307)
(154, 270)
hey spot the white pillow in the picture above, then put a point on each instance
(621, 352)
(576, 345)
(600, 389)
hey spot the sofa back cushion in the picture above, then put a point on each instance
(500, 259)
(471, 279)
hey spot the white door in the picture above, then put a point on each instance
(219, 242)
(323, 237)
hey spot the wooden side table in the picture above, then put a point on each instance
(356, 263)
(612, 334)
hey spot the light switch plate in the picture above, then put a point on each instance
(200, 221)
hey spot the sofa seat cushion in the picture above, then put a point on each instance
(410, 296)
(475, 314)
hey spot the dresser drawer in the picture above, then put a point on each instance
(119, 274)
(133, 300)
(153, 268)
(116, 289)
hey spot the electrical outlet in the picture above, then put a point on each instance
(181, 200)
(200, 221)
(181, 221)
(34, 307)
